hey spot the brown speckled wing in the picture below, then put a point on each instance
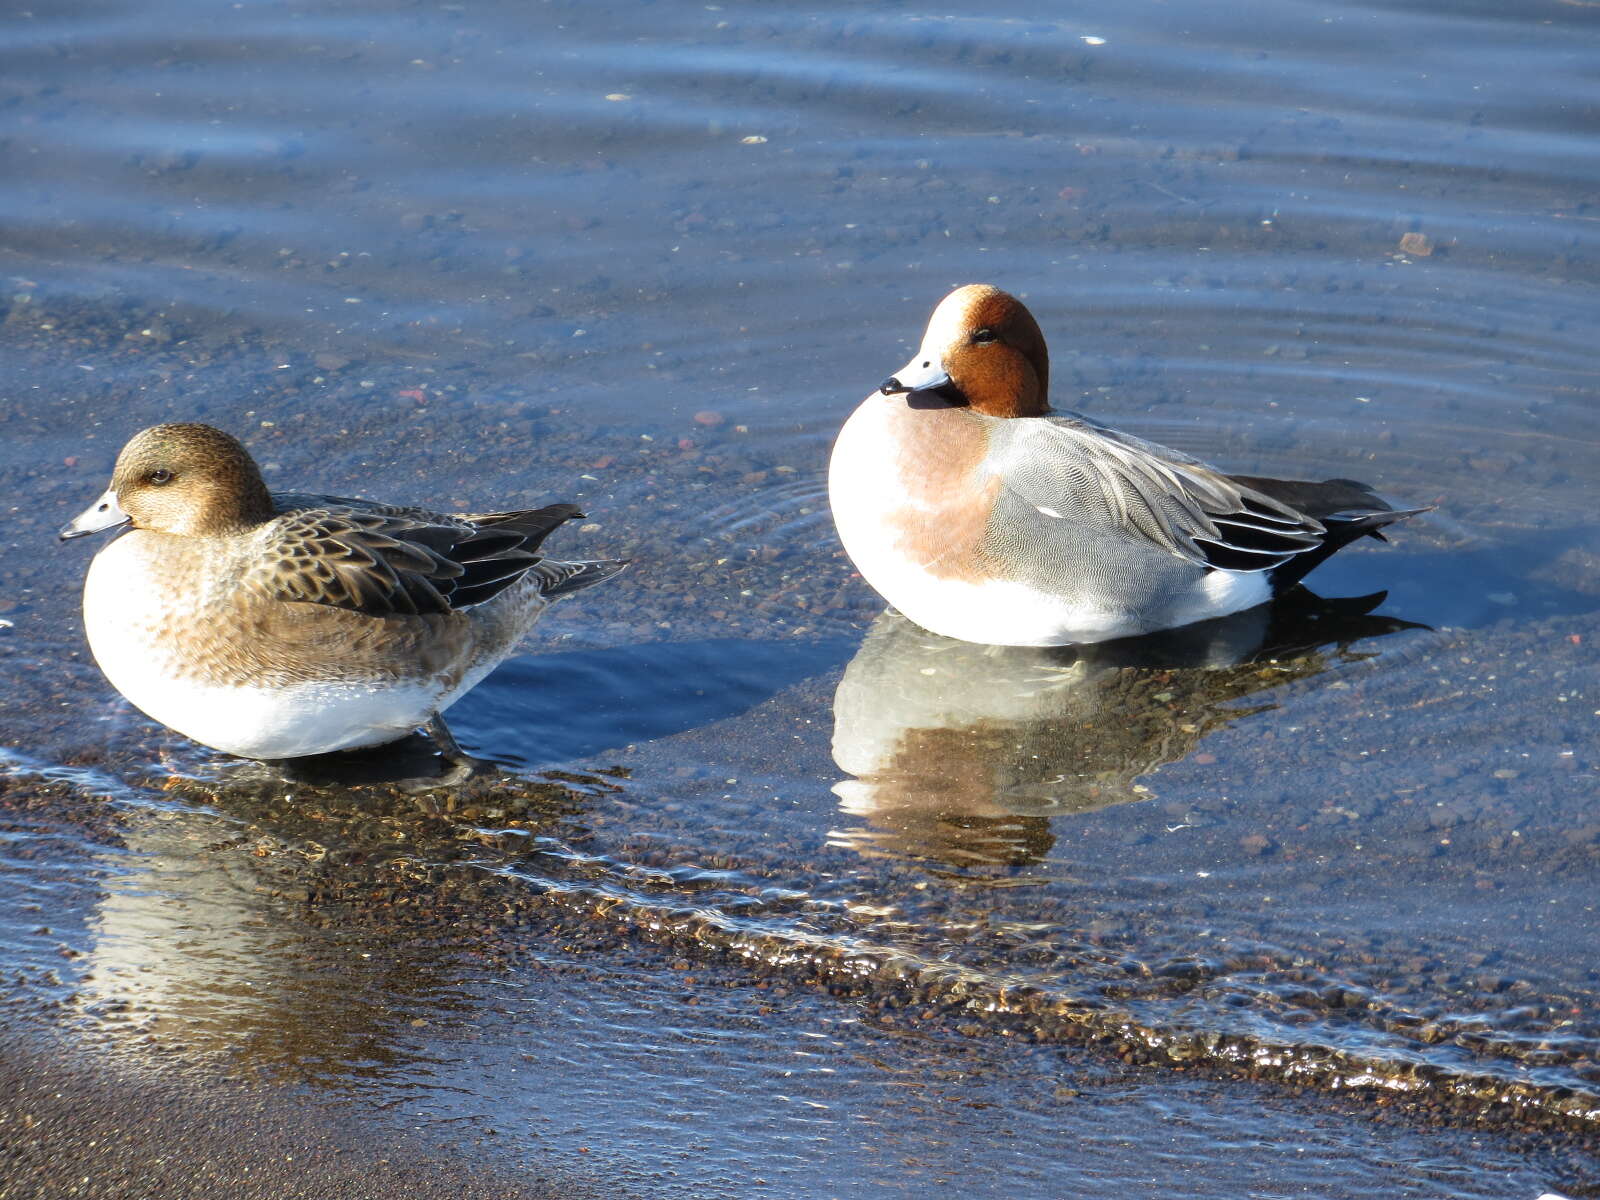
(384, 561)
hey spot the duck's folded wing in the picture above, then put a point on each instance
(1071, 469)
(387, 562)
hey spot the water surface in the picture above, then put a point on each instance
(766, 868)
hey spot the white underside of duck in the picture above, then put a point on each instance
(1012, 614)
(274, 723)
(999, 613)
(264, 722)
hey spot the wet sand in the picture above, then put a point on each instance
(73, 1124)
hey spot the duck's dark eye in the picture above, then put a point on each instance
(985, 335)
(160, 476)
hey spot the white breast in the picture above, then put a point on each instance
(864, 490)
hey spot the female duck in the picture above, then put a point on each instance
(275, 625)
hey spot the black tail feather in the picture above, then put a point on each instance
(1348, 510)
(1341, 531)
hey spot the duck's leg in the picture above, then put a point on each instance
(443, 738)
(462, 765)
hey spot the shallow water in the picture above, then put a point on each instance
(647, 257)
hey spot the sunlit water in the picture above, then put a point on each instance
(648, 257)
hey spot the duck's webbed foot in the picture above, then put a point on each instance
(459, 765)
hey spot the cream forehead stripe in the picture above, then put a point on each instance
(953, 318)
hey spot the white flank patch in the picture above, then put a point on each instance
(1224, 592)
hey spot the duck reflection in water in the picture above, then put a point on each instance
(231, 913)
(961, 753)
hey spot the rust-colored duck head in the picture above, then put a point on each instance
(982, 346)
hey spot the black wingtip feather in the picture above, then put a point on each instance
(503, 548)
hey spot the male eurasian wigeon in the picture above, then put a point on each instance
(274, 625)
(983, 515)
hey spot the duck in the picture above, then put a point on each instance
(279, 625)
(984, 515)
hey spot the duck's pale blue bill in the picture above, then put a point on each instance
(104, 513)
(922, 374)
